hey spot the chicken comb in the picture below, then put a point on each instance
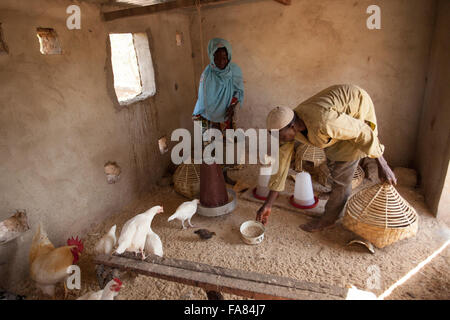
(117, 280)
(117, 285)
(76, 242)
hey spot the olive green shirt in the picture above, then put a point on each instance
(340, 119)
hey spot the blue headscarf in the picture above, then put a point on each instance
(217, 87)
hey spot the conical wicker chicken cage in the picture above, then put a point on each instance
(380, 214)
(308, 153)
(358, 177)
(186, 180)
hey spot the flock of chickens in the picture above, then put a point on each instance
(49, 265)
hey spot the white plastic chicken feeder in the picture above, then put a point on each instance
(219, 211)
(303, 197)
(262, 190)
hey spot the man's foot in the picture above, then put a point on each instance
(316, 226)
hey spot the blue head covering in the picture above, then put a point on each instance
(217, 87)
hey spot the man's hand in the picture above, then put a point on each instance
(263, 214)
(384, 172)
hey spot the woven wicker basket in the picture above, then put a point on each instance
(308, 153)
(186, 180)
(380, 214)
(358, 177)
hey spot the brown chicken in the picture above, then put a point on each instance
(48, 265)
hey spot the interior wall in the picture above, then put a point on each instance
(433, 143)
(60, 121)
(289, 53)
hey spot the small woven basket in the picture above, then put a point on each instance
(307, 152)
(380, 214)
(358, 177)
(186, 180)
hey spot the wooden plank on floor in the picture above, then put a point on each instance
(240, 274)
(211, 278)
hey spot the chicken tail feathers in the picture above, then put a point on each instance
(40, 232)
(112, 231)
(121, 248)
(172, 217)
(40, 237)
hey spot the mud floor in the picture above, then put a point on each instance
(286, 251)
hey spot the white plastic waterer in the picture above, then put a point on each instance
(265, 172)
(262, 189)
(303, 192)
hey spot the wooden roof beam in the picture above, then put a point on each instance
(285, 2)
(138, 11)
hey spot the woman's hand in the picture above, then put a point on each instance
(230, 109)
(263, 214)
(384, 172)
(230, 112)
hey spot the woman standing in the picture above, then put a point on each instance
(221, 88)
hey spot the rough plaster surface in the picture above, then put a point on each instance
(433, 143)
(59, 124)
(175, 86)
(289, 53)
(172, 105)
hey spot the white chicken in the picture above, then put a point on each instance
(107, 242)
(134, 232)
(185, 212)
(153, 244)
(109, 292)
(356, 294)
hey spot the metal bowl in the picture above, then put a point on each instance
(252, 239)
(219, 211)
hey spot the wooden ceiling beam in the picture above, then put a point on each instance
(285, 2)
(139, 11)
